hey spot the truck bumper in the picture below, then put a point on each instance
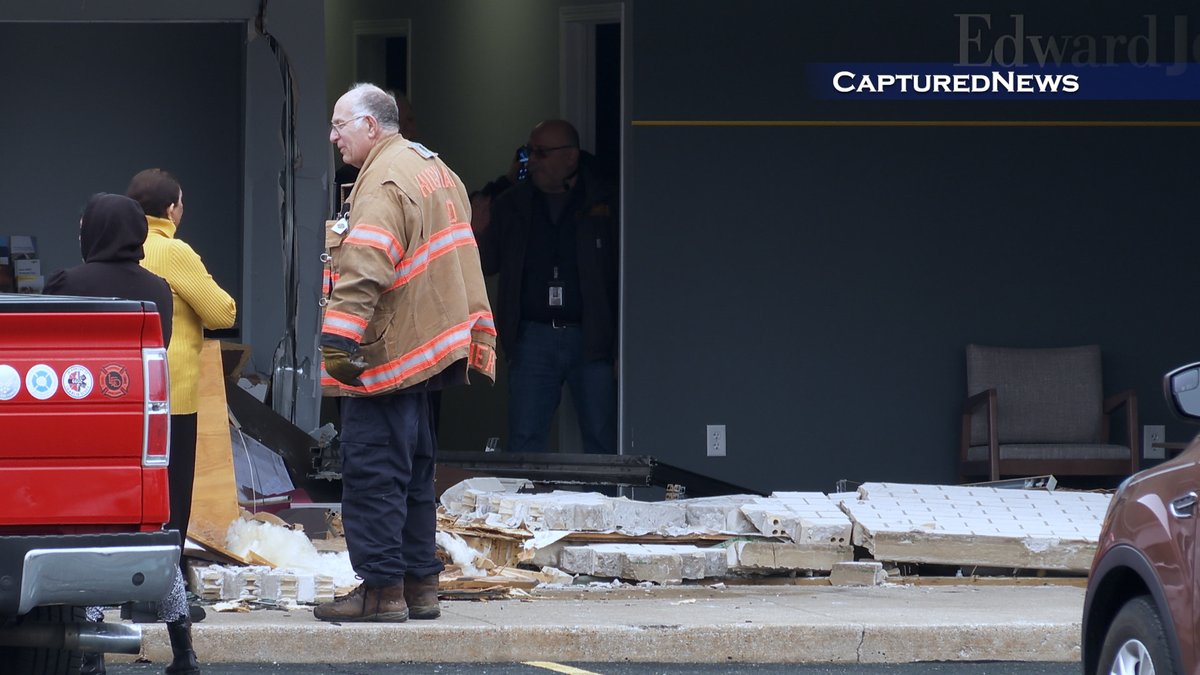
(100, 569)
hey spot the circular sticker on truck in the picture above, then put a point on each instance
(77, 381)
(41, 381)
(114, 380)
(10, 382)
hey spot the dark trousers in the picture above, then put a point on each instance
(182, 471)
(389, 510)
(545, 357)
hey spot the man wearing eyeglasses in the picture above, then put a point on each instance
(553, 241)
(405, 313)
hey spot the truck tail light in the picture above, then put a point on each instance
(156, 448)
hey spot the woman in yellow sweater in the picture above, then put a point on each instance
(198, 303)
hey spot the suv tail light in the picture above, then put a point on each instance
(156, 449)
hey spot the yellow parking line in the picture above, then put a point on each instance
(559, 668)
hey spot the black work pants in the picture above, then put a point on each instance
(182, 471)
(389, 510)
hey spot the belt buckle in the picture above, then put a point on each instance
(557, 323)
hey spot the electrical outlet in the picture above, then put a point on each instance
(1151, 434)
(715, 433)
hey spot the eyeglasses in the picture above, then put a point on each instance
(337, 126)
(541, 153)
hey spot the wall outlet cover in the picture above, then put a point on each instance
(1151, 434)
(715, 438)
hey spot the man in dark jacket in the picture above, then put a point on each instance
(111, 233)
(553, 240)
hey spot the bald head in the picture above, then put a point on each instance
(367, 99)
(362, 118)
(553, 156)
(561, 131)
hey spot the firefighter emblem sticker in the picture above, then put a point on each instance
(114, 380)
(10, 382)
(77, 381)
(41, 381)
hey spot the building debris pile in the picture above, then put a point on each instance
(497, 541)
(499, 537)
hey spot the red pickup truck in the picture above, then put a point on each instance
(84, 417)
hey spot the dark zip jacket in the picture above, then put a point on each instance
(502, 247)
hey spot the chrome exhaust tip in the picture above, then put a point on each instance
(115, 638)
(76, 637)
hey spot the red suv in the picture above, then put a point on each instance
(1139, 615)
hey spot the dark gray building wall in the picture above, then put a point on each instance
(96, 91)
(813, 288)
(91, 104)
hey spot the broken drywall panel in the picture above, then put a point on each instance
(660, 563)
(280, 585)
(659, 567)
(460, 497)
(977, 526)
(803, 517)
(756, 556)
(637, 518)
(698, 562)
(218, 582)
(610, 559)
(577, 559)
(864, 573)
(206, 582)
(719, 514)
(481, 498)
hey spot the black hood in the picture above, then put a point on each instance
(113, 229)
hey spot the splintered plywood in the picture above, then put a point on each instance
(214, 490)
(977, 526)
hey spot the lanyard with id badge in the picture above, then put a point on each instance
(556, 290)
(342, 223)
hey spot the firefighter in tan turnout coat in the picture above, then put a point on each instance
(406, 313)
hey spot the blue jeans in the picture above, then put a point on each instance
(545, 358)
(389, 507)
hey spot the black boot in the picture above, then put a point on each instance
(92, 664)
(184, 661)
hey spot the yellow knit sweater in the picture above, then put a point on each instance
(198, 301)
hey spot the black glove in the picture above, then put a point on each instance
(343, 366)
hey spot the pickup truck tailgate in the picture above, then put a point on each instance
(72, 417)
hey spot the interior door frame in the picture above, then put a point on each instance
(384, 28)
(577, 68)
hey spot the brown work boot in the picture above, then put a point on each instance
(421, 595)
(365, 603)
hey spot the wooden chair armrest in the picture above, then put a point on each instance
(987, 400)
(974, 403)
(1129, 396)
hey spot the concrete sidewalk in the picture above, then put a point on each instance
(766, 624)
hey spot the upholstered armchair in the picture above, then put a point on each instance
(1032, 412)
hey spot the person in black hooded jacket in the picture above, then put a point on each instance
(111, 234)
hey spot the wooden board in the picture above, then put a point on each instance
(214, 490)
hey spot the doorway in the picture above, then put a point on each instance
(590, 67)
